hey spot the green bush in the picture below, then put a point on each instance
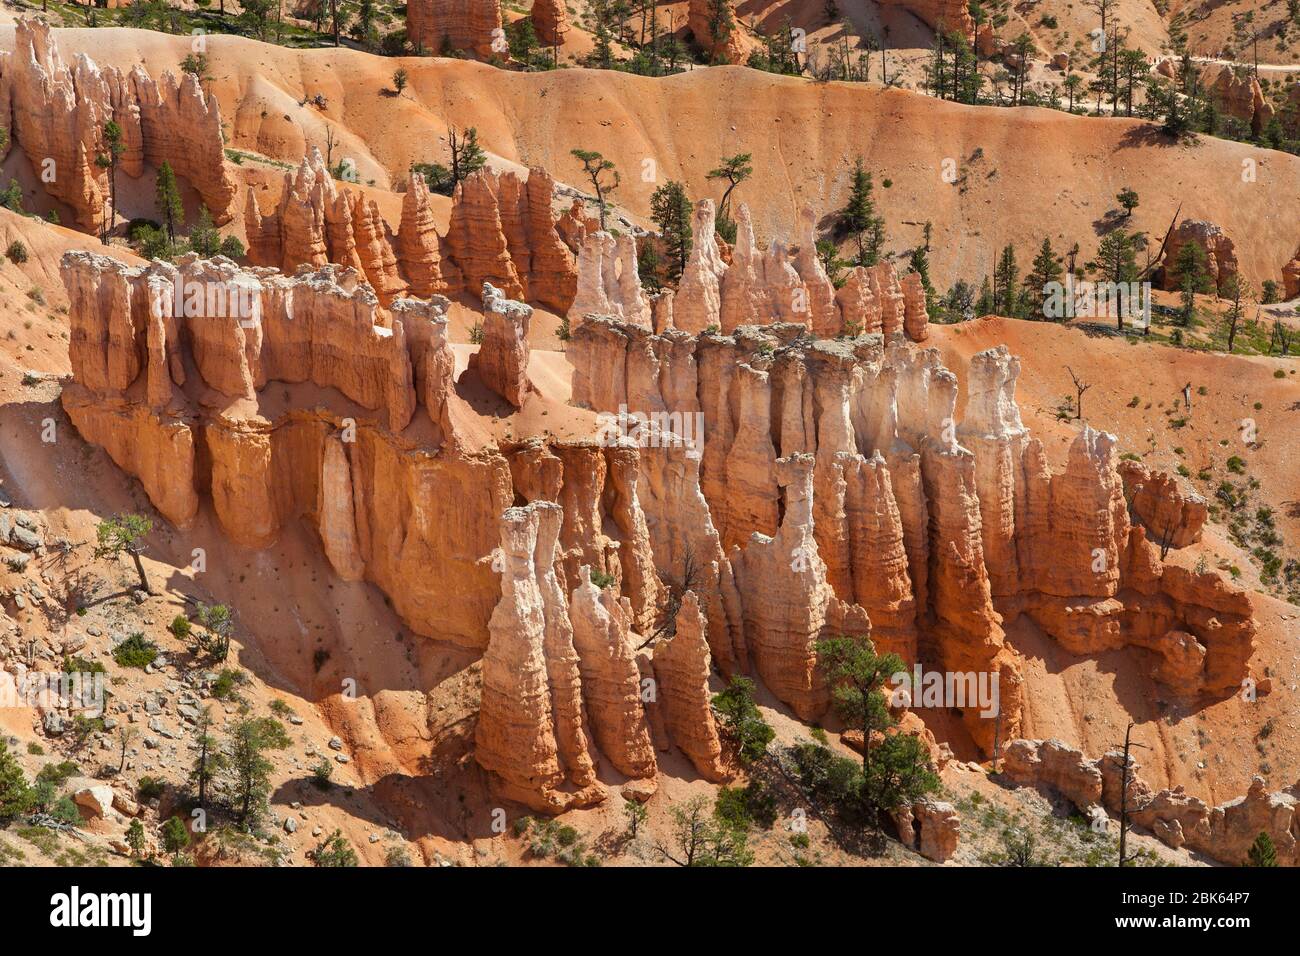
(15, 794)
(135, 651)
(17, 252)
(223, 688)
(149, 788)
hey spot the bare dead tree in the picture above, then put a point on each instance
(1166, 539)
(1123, 793)
(676, 590)
(1079, 387)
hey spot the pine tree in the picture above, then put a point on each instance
(210, 762)
(1235, 291)
(595, 166)
(1045, 270)
(175, 837)
(1191, 272)
(1262, 851)
(1116, 258)
(15, 793)
(735, 170)
(168, 195)
(920, 264)
(115, 146)
(467, 157)
(1005, 284)
(894, 771)
(248, 772)
(1128, 199)
(670, 208)
(135, 837)
(204, 238)
(985, 304)
(858, 219)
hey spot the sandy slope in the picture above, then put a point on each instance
(1088, 700)
(1022, 174)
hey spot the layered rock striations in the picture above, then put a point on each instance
(469, 26)
(757, 287)
(772, 488)
(302, 397)
(501, 231)
(1171, 513)
(550, 22)
(937, 531)
(530, 732)
(608, 283)
(611, 680)
(1223, 833)
(682, 666)
(502, 358)
(1220, 254)
(56, 115)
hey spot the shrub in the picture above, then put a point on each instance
(149, 789)
(742, 721)
(397, 856)
(1262, 852)
(1237, 465)
(335, 851)
(57, 774)
(223, 688)
(175, 836)
(180, 627)
(135, 651)
(15, 794)
(321, 773)
(17, 252)
(65, 811)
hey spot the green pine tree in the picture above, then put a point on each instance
(1262, 852)
(858, 219)
(670, 208)
(1006, 298)
(16, 795)
(1046, 269)
(169, 201)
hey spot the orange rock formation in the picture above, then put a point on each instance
(471, 26)
(501, 231)
(1223, 833)
(56, 116)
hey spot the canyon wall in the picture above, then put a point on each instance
(777, 488)
(469, 26)
(898, 520)
(752, 287)
(1223, 833)
(501, 231)
(301, 398)
(56, 115)
(949, 16)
